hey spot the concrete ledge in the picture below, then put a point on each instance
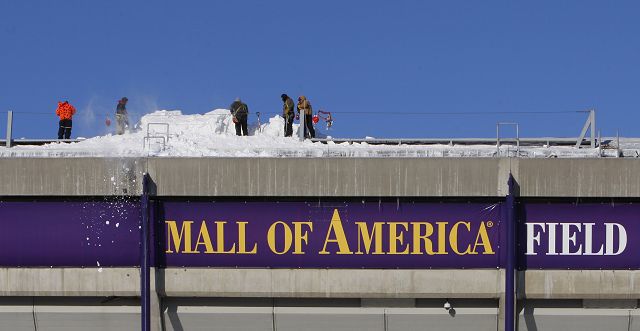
(71, 177)
(581, 284)
(321, 283)
(332, 283)
(69, 282)
(325, 176)
(579, 177)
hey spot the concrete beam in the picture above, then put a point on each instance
(579, 177)
(71, 177)
(321, 283)
(333, 283)
(581, 284)
(69, 282)
(330, 177)
(304, 177)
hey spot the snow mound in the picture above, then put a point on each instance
(170, 133)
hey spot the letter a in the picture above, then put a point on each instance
(336, 227)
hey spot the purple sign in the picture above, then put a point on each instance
(579, 236)
(330, 235)
(352, 234)
(84, 233)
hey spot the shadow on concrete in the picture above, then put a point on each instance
(529, 319)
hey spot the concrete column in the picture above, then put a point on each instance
(155, 302)
(501, 306)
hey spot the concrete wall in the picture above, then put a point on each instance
(70, 177)
(329, 177)
(577, 319)
(328, 318)
(580, 284)
(579, 177)
(63, 314)
(322, 283)
(325, 177)
(285, 283)
(333, 283)
(302, 177)
(69, 281)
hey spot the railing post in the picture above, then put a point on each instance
(498, 139)
(618, 144)
(9, 127)
(517, 140)
(145, 270)
(592, 114)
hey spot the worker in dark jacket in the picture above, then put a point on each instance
(240, 113)
(288, 114)
(122, 117)
(304, 107)
(65, 111)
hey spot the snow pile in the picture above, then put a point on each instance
(167, 133)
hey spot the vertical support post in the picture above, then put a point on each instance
(302, 124)
(599, 144)
(9, 127)
(517, 140)
(145, 270)
(592, 116)
(509, 288)
(498, 139)
(259, 123)
(618, 144)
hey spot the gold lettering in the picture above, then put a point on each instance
(242, 240)
(271, 237)
(299, 236)
(453, 238)
(220, 239)
(422, 240)
(442, 233)
(185, 234)
(395, 238)
(485, 242)
(204, 239)
(335, 227)
(367, 237)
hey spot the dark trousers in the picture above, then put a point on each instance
(64, 129)
(309, 131)
(288, 125)
(241, 126)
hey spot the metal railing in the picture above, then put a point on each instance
(164, 136)
(151, 136)
(498, 136)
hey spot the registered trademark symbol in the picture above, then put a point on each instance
(489, 224)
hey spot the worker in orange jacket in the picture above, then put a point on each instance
(65, 111)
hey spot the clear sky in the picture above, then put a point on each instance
(347, 57)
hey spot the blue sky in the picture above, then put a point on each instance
(348, 57)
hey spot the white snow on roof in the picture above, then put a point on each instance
(213, 135)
